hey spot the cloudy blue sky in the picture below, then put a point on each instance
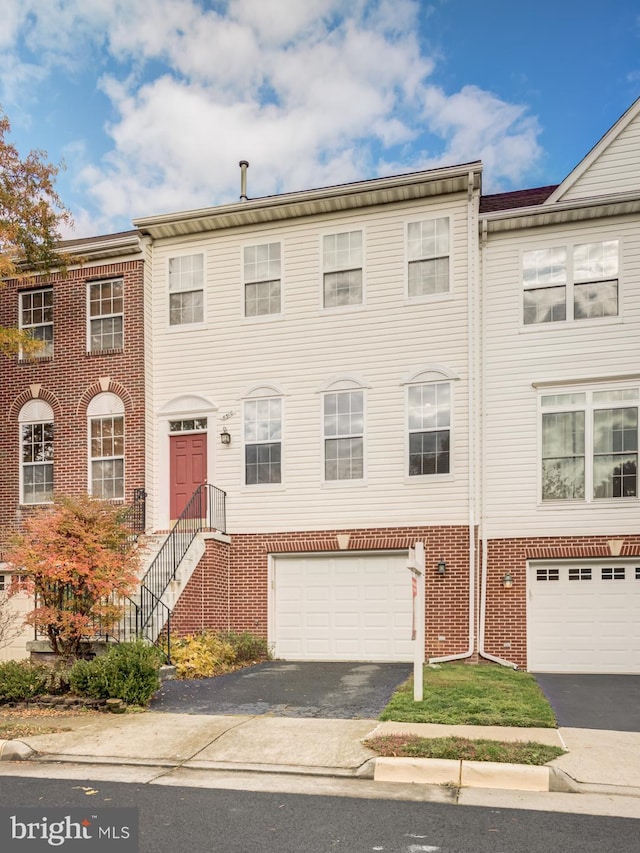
(151, 103)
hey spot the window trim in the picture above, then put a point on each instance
(570, 283)
(334, 232)
(422, 379)
(197, 324)
(343, 386)
(244, 281)
(102, 406)
(589, 407)
(91, 283)
(35, 412)
(448, 294)
(257, 393)
(21, 325)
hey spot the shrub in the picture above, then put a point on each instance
(202, 655)
(21, 680)
(128, 671)
(247, 647)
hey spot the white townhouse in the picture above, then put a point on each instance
(560, 521)
(314, 356)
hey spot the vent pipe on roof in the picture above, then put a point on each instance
(244, 165)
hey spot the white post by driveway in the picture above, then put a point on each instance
(416, 564)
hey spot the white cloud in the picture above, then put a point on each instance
(312, 93)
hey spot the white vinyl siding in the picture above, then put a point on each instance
(383, 344)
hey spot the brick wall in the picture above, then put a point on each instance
(507, 608)
(234, 596)
(69, 380)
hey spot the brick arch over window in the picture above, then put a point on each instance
(35, 392)
(103, 386)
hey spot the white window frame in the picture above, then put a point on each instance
(275, 428)
(103, 407)
(107, 316)
(588, 400)
(180, 282)
(353, 262)
(415, 430)
(569, 273)
(32, 327)
(251, 277)
(338, 389)
(36, 413)
(415, 256)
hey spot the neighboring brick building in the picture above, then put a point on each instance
(72, 419)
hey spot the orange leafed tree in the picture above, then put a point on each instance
(77, 558)
(31, 216)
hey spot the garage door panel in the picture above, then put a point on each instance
(353, 607)
(584, 617)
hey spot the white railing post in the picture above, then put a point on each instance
(416, 565)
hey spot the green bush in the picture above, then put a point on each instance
(21, 680)
(247, 647)
(128, 671)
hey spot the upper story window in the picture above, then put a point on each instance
(428, 255)
(36, 316)
(36, 452)
(344, 435)
(106, 315)
(186, 290)
(575, 283)
(262, 280)
(590, 444)
(429, 409)
(106, 446)
(263, 439)
(342, 269)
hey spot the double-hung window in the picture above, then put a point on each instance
(344, 435)
(36, 451)
(262, 280)
(106, 447)
(36, 317)
(428, 257)
(429, 407)
(186, 290)
(579, 282)
(106, 315)
(342, 269)
(263, 440)
(590, 444)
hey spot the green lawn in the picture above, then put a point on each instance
(481, 695)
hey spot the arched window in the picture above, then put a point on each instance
(106, 446)
(36, 452)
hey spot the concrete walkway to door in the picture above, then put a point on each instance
(347, 691)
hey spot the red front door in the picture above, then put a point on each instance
(187, 468)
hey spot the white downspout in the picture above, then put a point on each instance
(483, 541)
(472, 279)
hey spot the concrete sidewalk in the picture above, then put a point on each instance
(228, 750)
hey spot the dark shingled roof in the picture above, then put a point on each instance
(519, 198)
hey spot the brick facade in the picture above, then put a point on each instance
(69, 380)
(230, 587)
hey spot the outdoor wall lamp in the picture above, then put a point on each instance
(442, 567)
(225, 436)
(507, 580)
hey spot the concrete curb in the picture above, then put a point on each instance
(469, 774)
(15, 750)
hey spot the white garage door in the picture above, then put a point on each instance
(584, 616)
(355, 607)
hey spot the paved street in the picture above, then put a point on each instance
(219, 821)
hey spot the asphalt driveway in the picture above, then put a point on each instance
(610, 702)
(347, 691)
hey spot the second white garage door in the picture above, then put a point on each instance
(584, 617)
(351, 607)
